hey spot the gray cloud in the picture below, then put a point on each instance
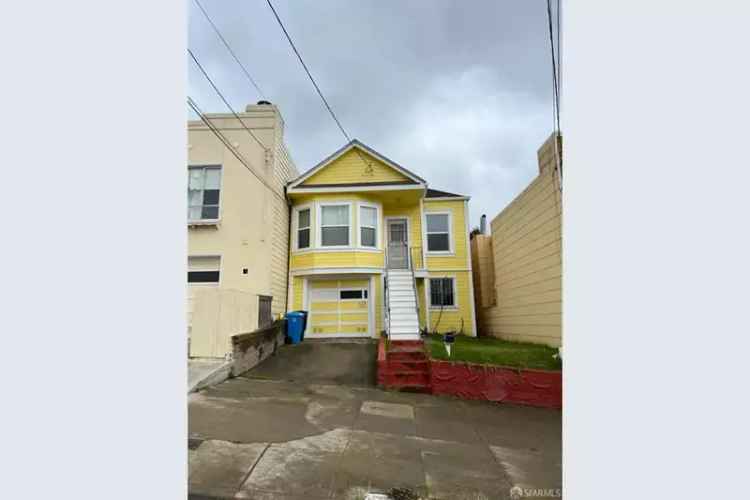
(459, 92)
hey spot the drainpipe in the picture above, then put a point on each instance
(288, 249)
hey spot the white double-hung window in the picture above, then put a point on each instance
(303, 228)
(335, 222)
(368, 226)
(438, 232)
(204, 185)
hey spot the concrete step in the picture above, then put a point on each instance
(404, 330)
(405, 323)
(409, 316)
(404, 336)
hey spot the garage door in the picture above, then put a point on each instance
(339, 308)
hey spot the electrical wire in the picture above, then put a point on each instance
(226, 44)
(246, 163)
(218, 92)
(315, 84)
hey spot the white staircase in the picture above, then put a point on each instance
(403, 320)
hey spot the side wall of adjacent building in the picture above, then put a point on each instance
(251, 236)
(525, 252)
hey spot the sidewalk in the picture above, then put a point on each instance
(203, 371)
(270, 439)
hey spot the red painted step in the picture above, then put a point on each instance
(406, 356)
(395, 365)
(408, 378)
(410, 388)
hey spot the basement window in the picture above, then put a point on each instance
(204, 270)
(442, 293)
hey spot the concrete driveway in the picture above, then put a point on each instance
(350, 362)
(314, 439)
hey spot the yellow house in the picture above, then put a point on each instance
(373, 249)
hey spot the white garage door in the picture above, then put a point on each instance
(339, 308)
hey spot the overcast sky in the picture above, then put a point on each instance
(458, 92)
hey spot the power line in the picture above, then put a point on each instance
(556, 98)
(226, 44)
(556, 91)
(246, 163)
(333, 115)
(317, 89)
(559, 52)
(216, 89)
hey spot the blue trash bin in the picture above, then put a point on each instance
(295, 323)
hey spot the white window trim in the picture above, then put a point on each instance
(295, 228)
(451, 244)
(207, 222)
(378, 229)
(454, 307)
(319, 224)
(221, 269)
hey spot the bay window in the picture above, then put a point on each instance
(334, 225)
(303, 228)
(368, 226)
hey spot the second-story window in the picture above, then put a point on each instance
(204, 184)
(368, 226)
(334, 225)
(438, 232)
(303, 228)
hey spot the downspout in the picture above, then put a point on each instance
(289, 296)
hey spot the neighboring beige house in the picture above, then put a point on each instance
(518, 268)
(238, 225)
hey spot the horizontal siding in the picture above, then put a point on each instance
(450, 318)
(460, 238)
(351, 168)
(526, 256)
(337, 259)
(297, 291)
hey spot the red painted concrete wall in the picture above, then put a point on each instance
(469, 381)
(489, 383)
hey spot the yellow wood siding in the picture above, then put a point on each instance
(351, 168)
(314, 259)
(458, 260)
(451, 317)
(297, 297)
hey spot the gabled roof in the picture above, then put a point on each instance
(363, 147)
(434, 193)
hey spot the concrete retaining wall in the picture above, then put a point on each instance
(249, 349)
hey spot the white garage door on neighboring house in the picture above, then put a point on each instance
(339, 308)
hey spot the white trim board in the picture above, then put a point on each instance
(336, 270)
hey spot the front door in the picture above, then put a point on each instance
(398, 244)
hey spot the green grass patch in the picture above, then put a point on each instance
(491, 351)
